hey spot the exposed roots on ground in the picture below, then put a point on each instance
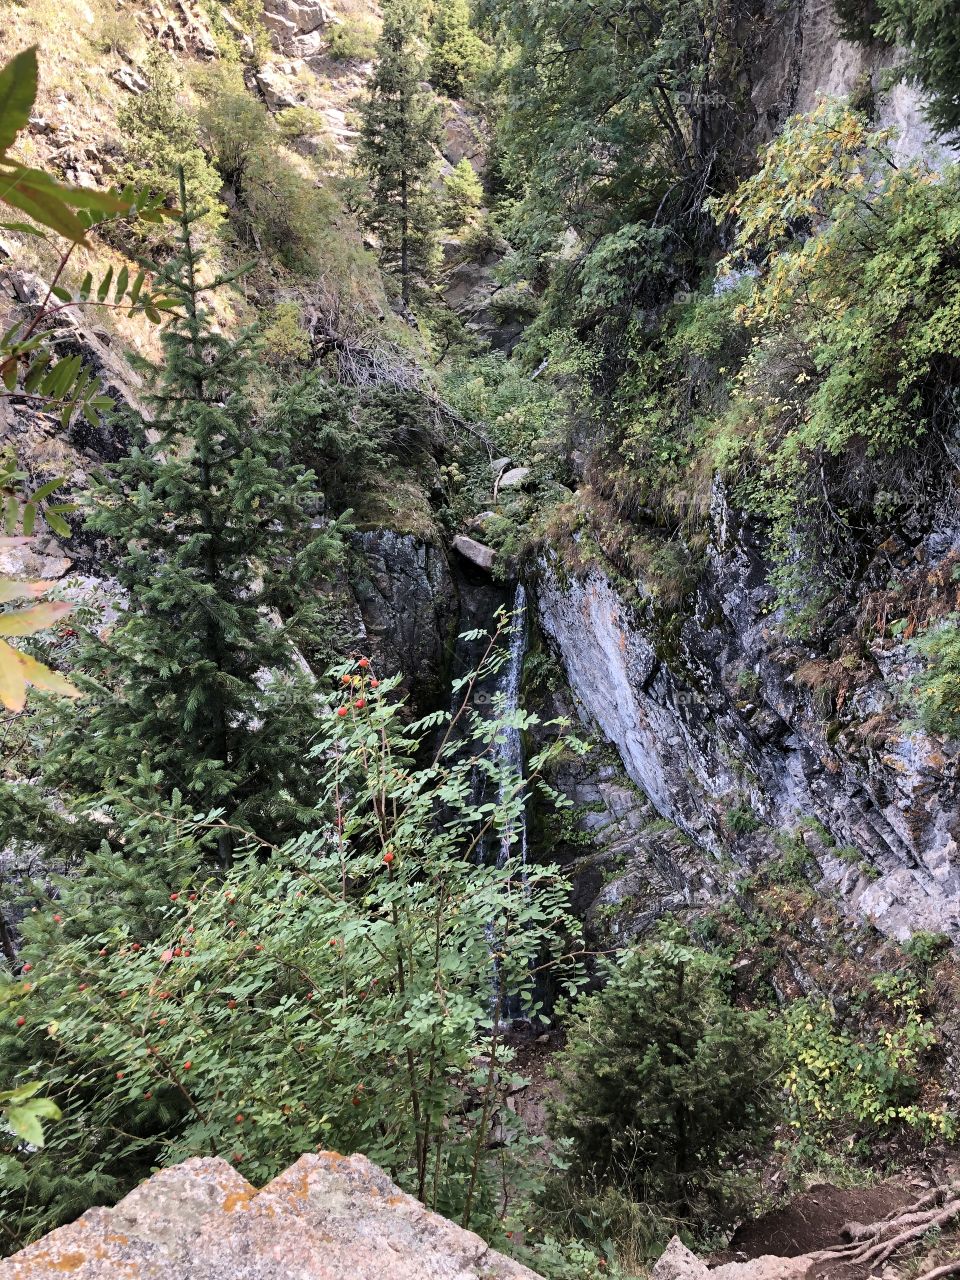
(872, 1244)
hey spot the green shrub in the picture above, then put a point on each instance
(285, 340)
(839, 1079)
(936, 691)
(300, 122)
(462, 195)
(458, 56)
(160, 135)
(924, 947)
(278, 210)
(664, 1081)
(337, 991)
(834, 430)
(742, 820)
(354, 40)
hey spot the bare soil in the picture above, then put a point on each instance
(815, 1219)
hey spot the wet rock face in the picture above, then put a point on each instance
(733, 749)
(409, 607)
(328, 1217)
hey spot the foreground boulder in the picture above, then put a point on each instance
(329, 1217)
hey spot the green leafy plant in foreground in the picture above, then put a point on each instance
(347, 989)
(29, 365)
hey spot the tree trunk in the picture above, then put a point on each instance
(404, 242)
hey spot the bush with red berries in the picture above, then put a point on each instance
(346, 990)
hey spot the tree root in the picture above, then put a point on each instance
(874, 1244)
(948, 1269)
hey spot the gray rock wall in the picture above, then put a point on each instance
(715, 722)
(804, 59)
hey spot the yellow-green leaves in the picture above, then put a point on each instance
(18, 91)
(42, 198)
(23, 1111)
(27, 622)
(19, 670)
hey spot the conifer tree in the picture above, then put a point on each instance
(457, 54)
(664, 1079)
(202, 684)
(399, 133)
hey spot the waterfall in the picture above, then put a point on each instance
(509, 755)
(509, 745)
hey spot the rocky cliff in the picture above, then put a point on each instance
(715, 719)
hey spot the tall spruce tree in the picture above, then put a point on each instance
(202, 685)
(399, 134)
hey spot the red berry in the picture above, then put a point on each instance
(58, 919)
(147, 1093)
(27, 968)
(356, 1100)
(21, 1021)
(135, 946)
(177, 951)
(364, 662)
(189, 928)
(360, 703)
(82, 986)
(186, 951)
(388, 857)
(187, 1065)
(374, 684)
(237, 1158)
(102, 951)
(119, 1075)
(258, 947)
(193, 897)
(341, 712)
(162, 1022)
(334, 941)
(345, 679)
(238, 1120)
(231, 1004)
(123, 993)
(174, 897)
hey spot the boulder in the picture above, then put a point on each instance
(474, 551)
(328, 1217)
(462, 138)
(302, 15)
(515, 478)
(276, 93)
(678, 1263)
